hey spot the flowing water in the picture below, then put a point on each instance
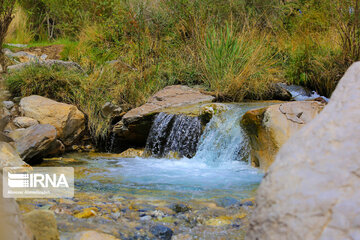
(218, 170)
(219, 166)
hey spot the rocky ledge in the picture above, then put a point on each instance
(135, 124)
(269, 128)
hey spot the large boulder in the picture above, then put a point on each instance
(135, 124)
(311, 191)
(269, 128)
(12, 226)
(9, 157)
(36, 142)
(67, 119)
(42, 224)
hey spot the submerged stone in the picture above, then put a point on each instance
(179, 207)
(226, 202)
(42, 224)
(161, 232)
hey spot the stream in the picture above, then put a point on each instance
(207, 196)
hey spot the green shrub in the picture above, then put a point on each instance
(54, 82)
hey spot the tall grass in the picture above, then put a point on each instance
(19, 30)
(238, 65)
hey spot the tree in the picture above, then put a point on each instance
(6, 16)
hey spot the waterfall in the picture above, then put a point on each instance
(171, 133)
(223, 139)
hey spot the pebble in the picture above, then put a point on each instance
(145, 218)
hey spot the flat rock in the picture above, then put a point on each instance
(311, 191)
(135, 124)
(169, 97)
(269, 128)
(67, 119)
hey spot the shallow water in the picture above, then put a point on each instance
(127, 190)
(216, 169)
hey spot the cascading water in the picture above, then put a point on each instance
(216, 169)
(173, 134)
(223, 139)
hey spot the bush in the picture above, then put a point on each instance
(54, 82)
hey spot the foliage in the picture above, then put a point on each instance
(6, 10)
(54, 82)
(19, 31)
(236, 49)
(238, 66)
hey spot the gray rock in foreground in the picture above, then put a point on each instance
(312, 189)
(36, 141)
(12, 226)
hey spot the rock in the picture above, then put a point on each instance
(269, 128)
(42, 224)
(17, 45)
(93, 235)
(321, 99)
(87, 213)
(110, 110)
(179, 207)
(278, 92)
(12, 226)
(43, 57)
(145, 218)
(67, 119)
(9, 157)
(35, 142)
(209, 110)
(312, 189)
(226, 202)
(48, 63)
(56, 148)
(21, 56)
(8, 104)
(24, 122)
(3, 122)
(131, 153)
(17, 133)
(5, 138)
(161, 232)
(217, 222)
(135, 124)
